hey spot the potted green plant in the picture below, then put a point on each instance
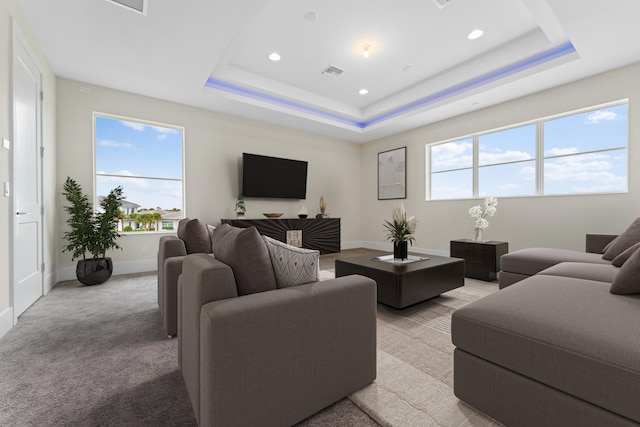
(400, 230)
(91, 232)
(240, 207)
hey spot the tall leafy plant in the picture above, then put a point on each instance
(90, 232)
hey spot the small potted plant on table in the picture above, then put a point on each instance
(400, 230)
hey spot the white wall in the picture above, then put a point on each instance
(214, 144)
(560, 222)
(9, 10)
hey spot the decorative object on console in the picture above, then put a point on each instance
(392, 174)
(480, 214)
(240, 207)
(302, 212)
(91, 232)
(272, 214)
(323, 209)
(400, 230)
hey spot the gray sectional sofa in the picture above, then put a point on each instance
(258, 345)
(560, 346)
(519, 265)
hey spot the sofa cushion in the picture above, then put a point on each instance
(292, 266)
(245, 252)
(181, 225)
(627, 280)
(195, 235)
(582, 270)
(624, 256)
(570, 334)
(530, 261)
(628, 238)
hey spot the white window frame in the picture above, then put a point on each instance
(97, 114)
(539, 159)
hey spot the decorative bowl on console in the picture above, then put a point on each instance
(302, 215)
(272, 215)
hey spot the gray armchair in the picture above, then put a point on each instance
(274, 357)
(193, 237)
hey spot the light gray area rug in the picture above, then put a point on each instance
(414, 386)
(98, 356)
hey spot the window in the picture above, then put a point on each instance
(146, 159)
(506, 162)
(452, 170)
(587, 152)
(583, 153)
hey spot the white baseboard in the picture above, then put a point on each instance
(49, 283)
(6, 321)
(119, 267)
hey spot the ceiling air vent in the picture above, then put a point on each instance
(333, 71)
(442, 3)
(139, 6)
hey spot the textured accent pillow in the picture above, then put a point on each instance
(196, 237)
(292, 266)
(628, 238)
(210, 229)
(245, 252)
(627, 281)
(624, 256)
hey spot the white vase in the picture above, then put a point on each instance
(477, 235)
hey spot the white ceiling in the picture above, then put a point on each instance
(213, 54)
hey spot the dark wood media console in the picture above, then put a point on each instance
(322, 234)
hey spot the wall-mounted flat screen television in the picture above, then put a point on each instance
(273, 177)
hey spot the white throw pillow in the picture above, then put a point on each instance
(210, 229)
(292, 266)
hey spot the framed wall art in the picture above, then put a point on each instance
(392, 174)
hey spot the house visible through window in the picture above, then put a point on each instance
(577, 153)
(146, 159)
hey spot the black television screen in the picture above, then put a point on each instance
(273, 177)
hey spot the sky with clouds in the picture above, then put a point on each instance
(583, 153)
(145, 159)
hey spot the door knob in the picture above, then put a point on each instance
(23, 213)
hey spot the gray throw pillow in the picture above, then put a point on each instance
(624, 241)
(627, 281)
(292, 266)
(624, 256)
(195, 236)
(245, 252)
(181, 226)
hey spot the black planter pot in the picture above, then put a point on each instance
(94, 271)
(400, 250)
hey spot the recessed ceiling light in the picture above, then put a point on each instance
(365, 50)
(475, 34)
(363, 91)
(274, 56)
(311, 16)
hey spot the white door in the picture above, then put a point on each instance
(27, 178)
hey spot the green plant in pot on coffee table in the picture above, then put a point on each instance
(91, 232)
(400, 231)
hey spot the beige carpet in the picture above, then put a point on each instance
(414, 386)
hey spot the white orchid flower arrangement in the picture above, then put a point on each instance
(481, 213)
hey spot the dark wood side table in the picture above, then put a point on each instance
(481, 259)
